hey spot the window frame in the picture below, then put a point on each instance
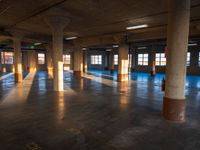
(96, 59)
(199, 60)
(116, 57)
(188, 60)
(41, 58)
(66, 59)
(141, 59)
(159, 61)
(7, 58)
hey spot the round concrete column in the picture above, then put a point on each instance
(152, 64)
(49, 59)
(177, 43)
(57, 22)
(32, 61)
(85, 66)
(78, 61)
(58, 59)
(123, 63)
(17, 59)
(17, 37)
(111, 61)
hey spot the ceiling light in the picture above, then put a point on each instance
(37, 44)
(137, 27)
(84, 49)
(115, 46)
(192, 44)
(108, 50)
(71, 38)
(142, 47)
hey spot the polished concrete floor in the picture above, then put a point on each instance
(94, 113)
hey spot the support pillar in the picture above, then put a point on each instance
(78, 61)
(85, 68)
(49, 59)
(32, 61)
(177, 43)
(133, 60)
(57, 22)
(123, 63)
(153, 64)
(17, 59)
(111, 61)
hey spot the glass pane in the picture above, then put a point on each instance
(140, 55)
(157, 54)
(157, 63)
(157, 59)
(139, 63)
(140, 59)
(162, 54)
(145, 63)
(163, 63)
(163, 59)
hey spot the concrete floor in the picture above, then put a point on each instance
(94, 113)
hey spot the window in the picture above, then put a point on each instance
(143, 59)
(96, 59)
(188, 59)
(115, 59)
(7, 57)
(160, 59)
(66, 59)
(41, 58)
(199, 58)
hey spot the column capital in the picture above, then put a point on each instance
(77, 44)
(57, 19)
(178, 5)
(48, 46)
(17, 33)
(120, 39)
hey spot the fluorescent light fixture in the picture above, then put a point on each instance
(108, 50)
(192, 44)
(142, 47)
(115, 46)
(37, 44)
(84, 49)
(71, 38)
(137, 27)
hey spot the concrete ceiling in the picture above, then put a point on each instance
(92, 18)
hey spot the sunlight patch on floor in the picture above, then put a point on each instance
(19, 93)
(6, 76)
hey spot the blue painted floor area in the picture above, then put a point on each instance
(97, 113)
(8, 83)
(191, 81)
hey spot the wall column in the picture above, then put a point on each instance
(78, 61)
(177, 44)
(57, 23)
